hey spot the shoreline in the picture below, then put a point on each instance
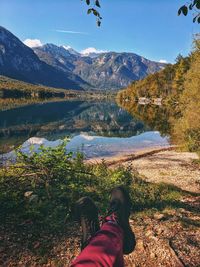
(123, 158)
(161, 165)
(156, 164)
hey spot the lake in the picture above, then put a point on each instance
(98, 129)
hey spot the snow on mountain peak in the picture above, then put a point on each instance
(67, 47)
(70, 50)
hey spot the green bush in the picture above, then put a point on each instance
(38, 192)
(43, 187)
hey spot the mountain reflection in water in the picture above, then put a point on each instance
(77, 119)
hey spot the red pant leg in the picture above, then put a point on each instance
(104, 250)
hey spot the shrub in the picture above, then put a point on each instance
(42, 188)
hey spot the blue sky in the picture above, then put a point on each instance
(149, 28)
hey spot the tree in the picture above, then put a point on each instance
(194, 5)
(93, 9)
(187, 129)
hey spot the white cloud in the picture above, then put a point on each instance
(90, 50)
(72, 32)
(33, 42)
(163, 61)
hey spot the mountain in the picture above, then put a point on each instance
(63, 67)
(103, 71)
(20, 62)
(71, 50)
(62, 59)
(115, 70)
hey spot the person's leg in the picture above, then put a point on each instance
(104, 249)
(120, 207)
(86, 213)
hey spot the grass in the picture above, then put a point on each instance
(196, 162)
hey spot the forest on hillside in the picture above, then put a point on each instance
(15, 93)
(10, 88)
(179, 87)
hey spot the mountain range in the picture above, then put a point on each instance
(20, 62)
(63, 67)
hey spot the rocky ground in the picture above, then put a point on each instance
(177, 168)
(168, 237)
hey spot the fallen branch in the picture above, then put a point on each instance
(134, 157)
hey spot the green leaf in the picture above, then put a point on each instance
(198, 4)
(98, 23)
(198, 20)
(179, 11)
(88, 2)
(96, 13)
(190, 6)
(194, 19)
(89, 11)
(184, 10)
(97, 3)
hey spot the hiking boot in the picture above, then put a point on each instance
(86, 213)
(119, 211)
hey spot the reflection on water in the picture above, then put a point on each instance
(88, 123)
(159, 118)
(97, 146)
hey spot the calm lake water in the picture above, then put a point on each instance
(98, 129)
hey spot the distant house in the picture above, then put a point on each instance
(144, 101)
(157, 101)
